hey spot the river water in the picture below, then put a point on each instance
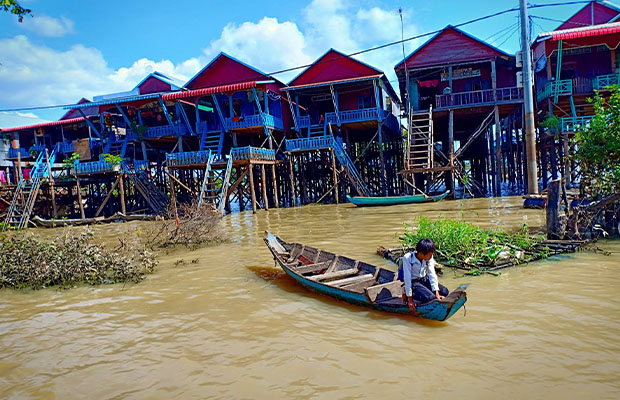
(230, 325)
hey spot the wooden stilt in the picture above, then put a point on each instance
(292, 178)
(122, 193)
(252, 189)
(107, 197)
(79, 196)
(263, 178)
(173, 198)
(335, 176)
(275, 186)
(51, 180)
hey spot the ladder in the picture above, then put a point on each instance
(212, 141)
(26, 193)
(316, 130)
(350, 170)
(156, 199)
(420, 140)
(215, 184)
(116, 147)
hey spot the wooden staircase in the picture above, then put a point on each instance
(350, 170)
(116, 147)
(27, 191)
(212, 141)
(420, 140)
(316, 130)
(157, 200)
(215, 183)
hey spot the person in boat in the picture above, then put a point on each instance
(418, 273)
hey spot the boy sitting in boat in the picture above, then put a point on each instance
(421, 283)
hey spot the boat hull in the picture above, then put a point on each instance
(394, 200)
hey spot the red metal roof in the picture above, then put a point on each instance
(235, 87)
(44, 124)
(595, 30)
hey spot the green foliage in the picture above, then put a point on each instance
(598, 147)
(462, 244)
(112, 159)
(69, 162)
(552, 123)
(14, 8)
(27, 261)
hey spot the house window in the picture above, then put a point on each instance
(364, 102)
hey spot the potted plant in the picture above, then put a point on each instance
(70, 161)
(112, 159)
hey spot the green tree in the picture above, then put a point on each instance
(598, 147)
(14, 8)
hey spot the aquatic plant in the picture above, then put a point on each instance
(461, 244)
(27, 261)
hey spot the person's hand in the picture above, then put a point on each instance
(438, 296)
(411, 305)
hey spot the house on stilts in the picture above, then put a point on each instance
(572, 62)
(346, 136)
(464, 116)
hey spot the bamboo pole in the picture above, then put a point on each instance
(252, 191)
(79, 196)
(263, 178)
(275, 186)
(107, 197)
(290, 169)
(173, 198)
(51, 178)
(335, 176)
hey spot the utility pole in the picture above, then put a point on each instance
(528, 99)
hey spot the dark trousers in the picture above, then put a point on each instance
(422, 292)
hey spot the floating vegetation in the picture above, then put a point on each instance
(69, 260)
(466, 246)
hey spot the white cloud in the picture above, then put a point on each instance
(11, 119)
(48, 26)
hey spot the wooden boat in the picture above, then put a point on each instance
(393, 200)
(354, 281)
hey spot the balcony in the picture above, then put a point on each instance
(187, 158)
(562, 88)
(307, 144)
(603, 81)
(65, 147)
(23, 153)
(252, 154)
(252, 121)
(166, 130)
(93, 167)
(575, 124)
(348, 116)
(479, 98)
(208, 126)
(303, 121)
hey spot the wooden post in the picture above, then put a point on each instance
(335, 176)
(498, 152)
(553, 210)
(51, 179)
(382, 160)
(263, 178)
(79, 196)
(450, 175)
(19, 166)
(292, 178)
(107, 197)
(121, 187)
(252, 191)
(173, 198)
(274, 183)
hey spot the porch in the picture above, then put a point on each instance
(508, 95)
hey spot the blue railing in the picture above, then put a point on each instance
(92, 167)
(21, 151)
(140, 164)
(562, 87)
(478, 97)
(166, 130)
(208, 126)
(315, 143)
(362, 114)
(303, 121)
(574, 124)
(37, 147)
(602, 81)
(252, 153)
(65, 147)
(248, 121)
(187, 158)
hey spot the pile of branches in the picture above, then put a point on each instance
(189, 225)
(68, 260)
(465, 246)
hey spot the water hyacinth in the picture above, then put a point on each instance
(68, 260)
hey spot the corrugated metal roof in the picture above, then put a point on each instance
(586, 31)
(209, 90)
(127, 99)
(44, 124)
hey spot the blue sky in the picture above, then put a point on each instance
(74, 49)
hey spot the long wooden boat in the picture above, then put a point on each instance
(393, 200)
(354, 281)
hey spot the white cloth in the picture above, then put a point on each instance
(416, 269)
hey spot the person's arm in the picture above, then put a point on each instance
(407, 279)
(432, 277)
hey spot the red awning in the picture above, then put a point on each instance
(235, 87)
(44, 124)
(589, 31)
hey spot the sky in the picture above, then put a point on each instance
(79, 48)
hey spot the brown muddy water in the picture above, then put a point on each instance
(232, 326)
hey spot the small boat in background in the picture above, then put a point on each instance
(355, 282)
(393, 200)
